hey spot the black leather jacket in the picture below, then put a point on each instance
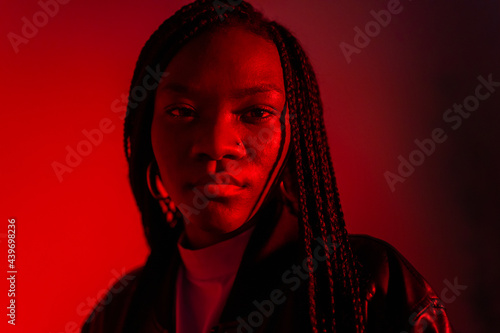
(398, 298)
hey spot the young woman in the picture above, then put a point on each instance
(231, 170)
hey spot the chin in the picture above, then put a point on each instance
(218, 222)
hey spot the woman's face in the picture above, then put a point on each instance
(216, 131)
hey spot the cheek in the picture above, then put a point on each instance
(166, 139)
(266, 148)
(169, 150)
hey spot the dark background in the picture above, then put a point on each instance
(78, 232)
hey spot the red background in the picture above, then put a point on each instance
(75, 235)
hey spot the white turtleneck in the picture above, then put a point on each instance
(204, 281)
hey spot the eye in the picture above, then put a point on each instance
(180, 112)
(258, 114)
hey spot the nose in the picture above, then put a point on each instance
(216, 139)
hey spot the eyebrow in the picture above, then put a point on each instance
(236, 94)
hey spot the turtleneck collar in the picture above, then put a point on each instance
(214, 261)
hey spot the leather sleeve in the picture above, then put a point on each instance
(431, 319)
(398, 299)
(109, 314)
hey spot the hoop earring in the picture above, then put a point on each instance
(289, 199)
(157, 191)
(285, 192)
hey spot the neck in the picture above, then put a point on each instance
(197, 238)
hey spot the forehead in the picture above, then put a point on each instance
(225, 59)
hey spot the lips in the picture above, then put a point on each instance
(222, 178)
(218, 185)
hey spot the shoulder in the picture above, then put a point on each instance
(109, 313)
(396, 294)
(380, 260)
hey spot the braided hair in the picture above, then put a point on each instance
(335, 304)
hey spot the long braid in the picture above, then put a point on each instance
(313, 165)
(313, 179)
(325, 228)
(333, 291)
(296, 137)
(349, 264)
(350, 280)
(351, 283)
